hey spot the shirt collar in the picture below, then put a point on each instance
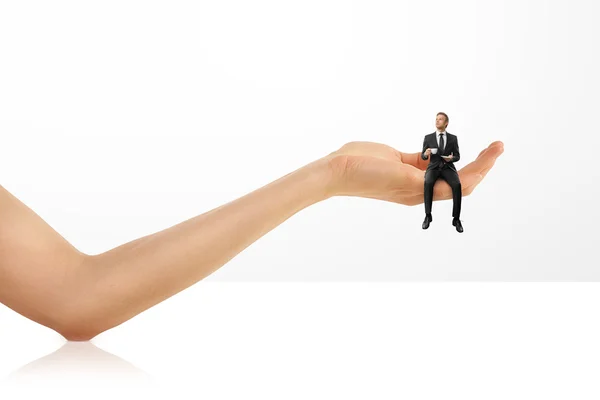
(438, 132)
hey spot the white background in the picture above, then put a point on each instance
(122, 118)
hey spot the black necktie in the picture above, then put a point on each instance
(441, 143)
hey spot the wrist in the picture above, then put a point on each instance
(324, 176)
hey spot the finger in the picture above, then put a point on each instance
(486, 159)
(472, 174)
(467, 190)
(414, 159)
(496, 143)
(493, 153)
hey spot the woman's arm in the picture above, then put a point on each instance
(46, 279)
(36, 263)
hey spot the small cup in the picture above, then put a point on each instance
(434, 151)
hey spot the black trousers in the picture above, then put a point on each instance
(450, 176)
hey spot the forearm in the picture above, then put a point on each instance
(126, 280)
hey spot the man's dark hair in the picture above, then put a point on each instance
(445, 116)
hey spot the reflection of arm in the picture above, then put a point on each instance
(423, 156)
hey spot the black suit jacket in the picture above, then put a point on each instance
(437, 161)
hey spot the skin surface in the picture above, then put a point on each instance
(44, 278)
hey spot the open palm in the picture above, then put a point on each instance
(376, 170)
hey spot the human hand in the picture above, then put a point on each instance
(376, 170)
(427, 152)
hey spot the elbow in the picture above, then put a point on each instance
(77, 335)
(83, 324)
(77, 329)
(76, 323)
(77, 313)
(67, 300)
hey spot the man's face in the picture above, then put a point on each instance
(440, 122)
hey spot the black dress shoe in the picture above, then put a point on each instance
(426, 222)
(458, 225)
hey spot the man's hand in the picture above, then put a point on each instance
(427, 152)
(448, 158)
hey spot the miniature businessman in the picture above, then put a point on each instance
(442, 147)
